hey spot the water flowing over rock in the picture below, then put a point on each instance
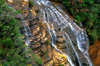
(74, 37)
(52, 34)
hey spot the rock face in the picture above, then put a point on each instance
(94, 52)
(58, 58)
(40, 40)
(11, 1)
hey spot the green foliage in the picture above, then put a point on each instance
(19, 11)
(66, 4)
(46, 54)
(61, 65)
(88, 13)
(1, 2)
(93, 34)
(12, 47)
(47, 42)
(31, 3)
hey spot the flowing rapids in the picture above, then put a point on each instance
(56, 19)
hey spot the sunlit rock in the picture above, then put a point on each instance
(48, 55)
(35, 37)
(32, 14)
(44, 40)
(43, 35)
(11, 1)
(35, 31)
(50, 63)
(26, 0)
(58, 58)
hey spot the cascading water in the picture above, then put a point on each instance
(26, 31)
(57, 20)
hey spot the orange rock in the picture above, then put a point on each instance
(94, 52)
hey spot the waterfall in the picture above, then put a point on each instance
(57, 20)
(26, 30)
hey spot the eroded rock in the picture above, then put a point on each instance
(59, 34)
(60, 40)
(62, 46)
(44, 48)
(58, 58)
(34, 46)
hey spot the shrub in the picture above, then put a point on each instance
(31, 4)
(12, 48)
(88, 13)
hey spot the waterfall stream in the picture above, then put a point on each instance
(56, 19)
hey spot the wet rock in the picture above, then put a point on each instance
(34, 41)
(60, 40)
(25, 14)
(34, 46)
(35, 26)
(32, 14)
(59, 34)
(44, 40)
(62, 46)
(35, 38)
(50, 63)
(66, 64)
(43, 27)
(35, 30)
(44, 48)
(48, 56)
(34, 23)
(27, 22)
(45, 59)
(43, 34)
(37, 52)
(58, 58)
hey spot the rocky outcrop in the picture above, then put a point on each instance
(94, 52)
(40, 40)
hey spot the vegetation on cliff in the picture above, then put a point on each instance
(12, 47)
(31, 3)
(86, 11)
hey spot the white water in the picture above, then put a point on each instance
(27, 31)
(52, 14)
